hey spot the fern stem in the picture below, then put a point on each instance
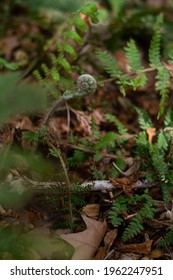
(91, 151)
(150, 69)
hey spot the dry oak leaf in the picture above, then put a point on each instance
(91, 210)
(86, 242)
(124, 183)
(110, 237)
(101, 254)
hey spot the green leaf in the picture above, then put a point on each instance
(154, 49)
(143, 119)
(80, 23)
(18, 97)
(109, 63)
(74, 36)
(69, 49)
(121, 128)
(163, 84)
(108, 141)
(133, 56)
(64, 63)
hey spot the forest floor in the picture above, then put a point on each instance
(37, 206)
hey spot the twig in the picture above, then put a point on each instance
(90, 151)
(98, 185)
(94, 185)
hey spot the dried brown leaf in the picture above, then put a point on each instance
(86, 242)
(140, 248)
(91, 211)
(110, 237)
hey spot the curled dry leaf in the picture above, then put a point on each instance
(151, 133)
(86, 242)
(82, 123)
(140, 248)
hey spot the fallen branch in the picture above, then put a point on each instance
(99, 185)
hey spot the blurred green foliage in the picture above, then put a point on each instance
(19, 97)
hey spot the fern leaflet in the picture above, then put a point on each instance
(154, 50)
(163, 86)
(108, 141)
(143, 119)
(109, 63)
(121, 128)
(133, 56)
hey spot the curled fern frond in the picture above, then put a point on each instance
(76, 27)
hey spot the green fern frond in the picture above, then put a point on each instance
(45, 69)
(139, 81)
(97, 174)
(108, 141)
(74, 35)
(133, 228)
(94, 127)
(143, 119)
(168, 239)
(90, 9)
(163, 86)
(59, 62)
(109, 63)
(38, 76)
(142, 145)
(55, 75)
(64, 63)
(154, 49)
(77, 158)
(121, 128)
(158, 161)
(70, 50)
(120, 204)
(163, 141)
(97, 156)
(80, 24)
(133, 56)
(168, 120)
(147, 211)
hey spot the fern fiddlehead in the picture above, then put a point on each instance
(86, 84)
